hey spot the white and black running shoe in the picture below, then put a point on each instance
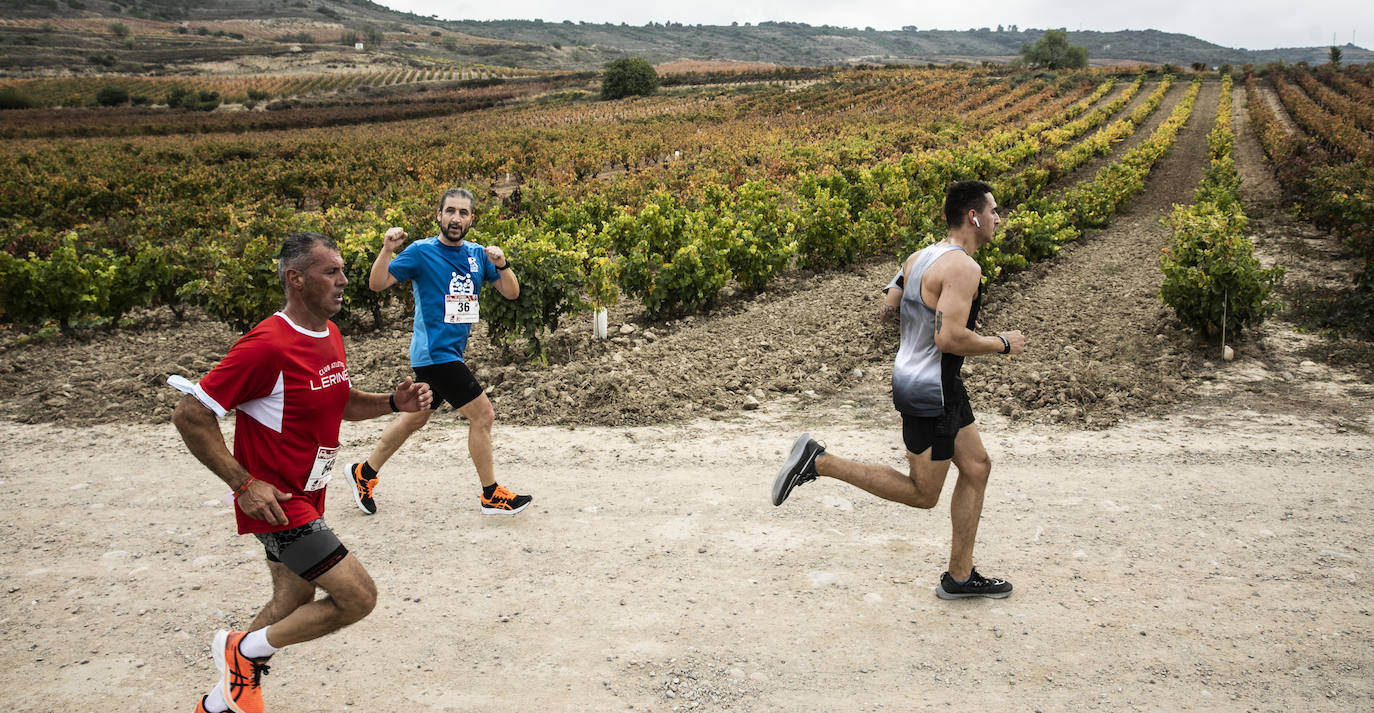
(800, 467)
(976, 586)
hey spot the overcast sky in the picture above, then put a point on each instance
(1260, 24)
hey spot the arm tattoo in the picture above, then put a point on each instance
(939, 320)
(889, 313)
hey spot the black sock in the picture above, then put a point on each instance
(487, 490)
(368, 472)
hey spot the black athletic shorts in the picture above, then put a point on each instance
(936, 432)
(451, 382)
(309, 550)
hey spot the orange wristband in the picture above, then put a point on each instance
(243, 488)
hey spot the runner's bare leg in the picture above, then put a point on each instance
(480, 415)
(395, 435)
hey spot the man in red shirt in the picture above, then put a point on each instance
(288, 381)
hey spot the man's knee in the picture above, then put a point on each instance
(412, 422)
(355, 602)
(925, 501)
(928, 477)
(923, 498)
(976, 470)
(482, 415)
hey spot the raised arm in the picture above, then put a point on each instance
(380, 277)
(506, 281)
(408, 396)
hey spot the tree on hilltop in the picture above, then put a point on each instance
(631, 76)
(1053, 51)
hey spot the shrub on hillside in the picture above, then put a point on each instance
(112, 96)
(12, 98)
(200, 101)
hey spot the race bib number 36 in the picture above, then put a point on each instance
(460, 309)
(323, 469)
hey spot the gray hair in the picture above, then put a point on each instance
(295, 252)
(457, 193)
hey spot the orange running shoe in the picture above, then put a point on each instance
(241, 676)
(362, 489)
(504, 502)
(200, 705)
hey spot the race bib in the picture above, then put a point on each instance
(460, 309)
(323, 469)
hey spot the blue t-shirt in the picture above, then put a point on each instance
(437, 272)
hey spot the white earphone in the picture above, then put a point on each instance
(976, 224)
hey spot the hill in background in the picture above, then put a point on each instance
(226, 36)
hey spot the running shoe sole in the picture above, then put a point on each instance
(220, 646)
(500, 511)
(217, 646)
(357, 496)
(941, 593)
(788, 475)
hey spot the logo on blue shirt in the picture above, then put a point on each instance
(461, 285)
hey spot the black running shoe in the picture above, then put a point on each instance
(976, 586)
(800, 467)
(362, 489)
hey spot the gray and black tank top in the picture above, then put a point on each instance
(924, 379)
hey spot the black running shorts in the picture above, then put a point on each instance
(451, 382)
(936, 432)
(309, 550)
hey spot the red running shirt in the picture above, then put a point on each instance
(289, 386)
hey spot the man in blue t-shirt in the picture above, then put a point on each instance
(446, 275)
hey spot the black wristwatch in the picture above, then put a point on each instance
(1006, 345)
(503, 267)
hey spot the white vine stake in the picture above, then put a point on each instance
(599, 318)
(1227, 352)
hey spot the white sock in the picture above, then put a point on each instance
(215, 703)
(255, 645)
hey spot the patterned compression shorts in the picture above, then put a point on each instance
(309, 550)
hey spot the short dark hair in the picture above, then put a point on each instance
(457, 193)
(296, 249)
(962, 197)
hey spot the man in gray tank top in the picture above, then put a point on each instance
(935, 298)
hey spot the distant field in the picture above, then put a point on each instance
(82, 91)
(698, 65)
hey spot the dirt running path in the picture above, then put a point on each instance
(1211, 560)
